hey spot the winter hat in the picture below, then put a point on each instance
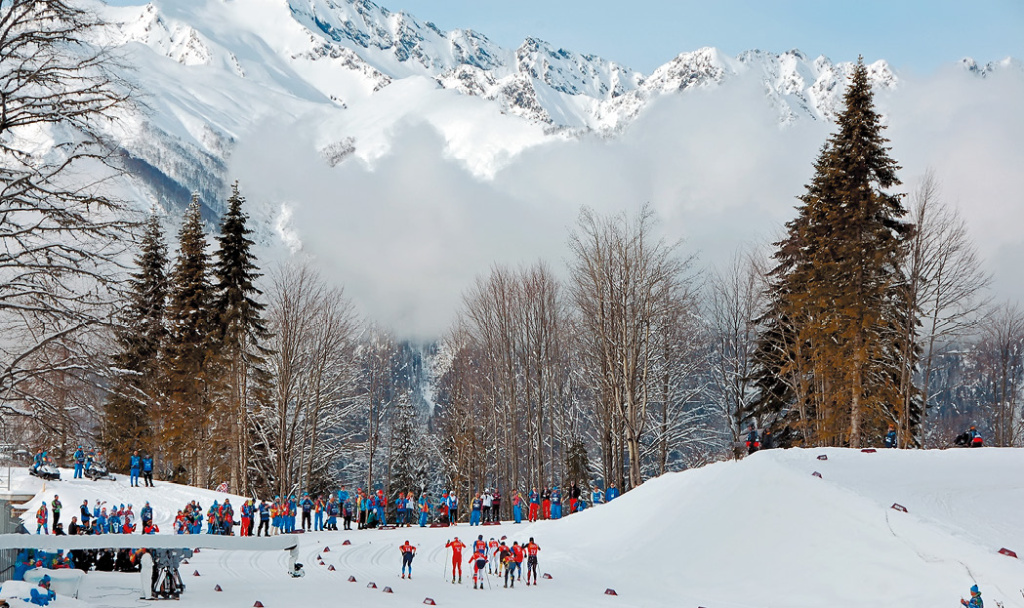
(974, 590)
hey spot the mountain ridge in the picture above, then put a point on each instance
(219, 68)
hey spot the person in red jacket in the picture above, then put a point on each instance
(531, 561)
(408, 552)
(479, 560)
(517, 559)
(457, 546)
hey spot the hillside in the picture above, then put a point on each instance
(763, 532)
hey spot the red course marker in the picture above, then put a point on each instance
(610, 592)
(1007, 552)
(429, 602)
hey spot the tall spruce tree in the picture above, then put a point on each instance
(193, 368)
(127, 415)
(829, 359)
(407, 460)
(242, 330)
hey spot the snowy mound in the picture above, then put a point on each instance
(763, 532)
(166, 498)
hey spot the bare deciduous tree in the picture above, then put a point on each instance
(947, 290)
(1000, 366)
(61, 234)
(735, 300)
(314, 380)
(623, 279)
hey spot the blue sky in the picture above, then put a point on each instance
(914, 35)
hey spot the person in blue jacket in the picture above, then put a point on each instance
(147, 470)
(753, 440)
(307, 508)
(147, 515)
(890, 437)
(135, 463)
(424, 509)
(975, 601)
(474, 513)
(79, 462)
(556, 503)
(86, 514)
(611, 493)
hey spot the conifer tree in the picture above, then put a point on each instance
(127, 416)
(193, 366)
(829, 359)
(407, 462)
(242, 330)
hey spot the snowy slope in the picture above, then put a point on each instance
(763, 532)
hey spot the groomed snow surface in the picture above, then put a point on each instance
(763, 532)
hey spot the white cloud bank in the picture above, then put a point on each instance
(409, 233)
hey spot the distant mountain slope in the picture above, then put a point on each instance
(212, 71)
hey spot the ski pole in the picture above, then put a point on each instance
(444, 569)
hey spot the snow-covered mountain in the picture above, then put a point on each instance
(212, 71)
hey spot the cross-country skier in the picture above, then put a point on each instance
(408, 552)
(531, 561)
(517, 559)
(890, 437)
(975, 601)
(480, 545)
(479, 561)
(493, 564)
(456, 546)
(507, 560)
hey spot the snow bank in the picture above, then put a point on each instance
(763, 532)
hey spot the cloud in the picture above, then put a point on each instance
(409, 232)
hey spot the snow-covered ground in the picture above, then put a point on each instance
(763, 532)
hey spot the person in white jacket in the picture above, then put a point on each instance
(488, 501)
(146, 574)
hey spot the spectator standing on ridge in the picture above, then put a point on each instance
(890, 437)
